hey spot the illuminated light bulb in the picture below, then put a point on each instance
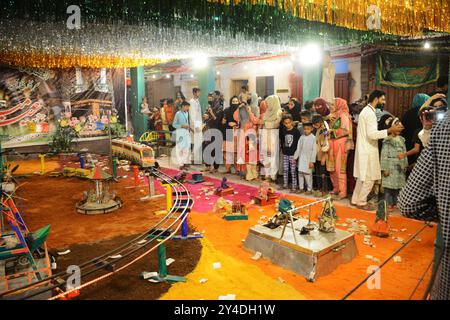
(427, 45)
(218, 73)
(154, 76)
(309, 55)
(200, 61)
(168, 76)
(192, 75)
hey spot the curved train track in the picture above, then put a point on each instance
(104, 266)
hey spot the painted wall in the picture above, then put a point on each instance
(280, 69)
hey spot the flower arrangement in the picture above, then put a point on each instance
(65, 133)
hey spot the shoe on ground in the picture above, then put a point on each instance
(317, 193)
(367, 207)
(308, 193)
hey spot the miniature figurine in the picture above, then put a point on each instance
(180, 176)
(266, 195)
(224, 188)
(223, 206)
(327, 220)
(282, 216)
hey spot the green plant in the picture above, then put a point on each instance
(62, 139)
(117, 129)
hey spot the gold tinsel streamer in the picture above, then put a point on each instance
(398, 17)
(37, 60)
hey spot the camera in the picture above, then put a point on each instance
(435, 114)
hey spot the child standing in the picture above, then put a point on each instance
(321, 173)
(306, 153)
(393, 169)
(305, 117)
(182, 136)
(289, 137)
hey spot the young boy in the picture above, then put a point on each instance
(393, 169)
(305, 117)
(306, 153)
(183, 136)
(289, 137)
(321, 174)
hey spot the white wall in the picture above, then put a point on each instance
(280, 69)
(354, 67)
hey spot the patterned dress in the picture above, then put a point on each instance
(392, 146)
(426, 196)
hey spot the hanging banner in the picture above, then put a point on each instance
(406, 71)
(34, 102)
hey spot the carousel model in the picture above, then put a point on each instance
(100, 200)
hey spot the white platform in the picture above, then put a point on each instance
(312, 256)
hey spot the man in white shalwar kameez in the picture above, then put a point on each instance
(196, 120)
(328, 74)
(367, 167)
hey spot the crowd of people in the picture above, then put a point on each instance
(320, 147)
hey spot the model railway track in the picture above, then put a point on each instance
(104, 266)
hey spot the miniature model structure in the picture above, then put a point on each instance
(136, 152)
(224, 189)
(312, 255)
(196, 178)
(24, 257)
(231, 210)
(327, 220)
(100, 200)
(266, 195)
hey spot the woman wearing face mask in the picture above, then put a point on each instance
(229, 126)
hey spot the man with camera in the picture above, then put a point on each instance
(426, 195)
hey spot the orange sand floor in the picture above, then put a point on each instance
(223, 241)
(398, 280)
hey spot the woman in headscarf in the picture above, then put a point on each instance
(321, 107)
(246, 147)
(294, 108)
(212, 122)
(340, 143)
(269, 138)
(411, 121)
(229, 126)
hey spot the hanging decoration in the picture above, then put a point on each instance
(404, 71)
(404, 18)
(129, 33)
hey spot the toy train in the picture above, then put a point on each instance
(136, 152)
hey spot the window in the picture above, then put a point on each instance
(265, 86)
